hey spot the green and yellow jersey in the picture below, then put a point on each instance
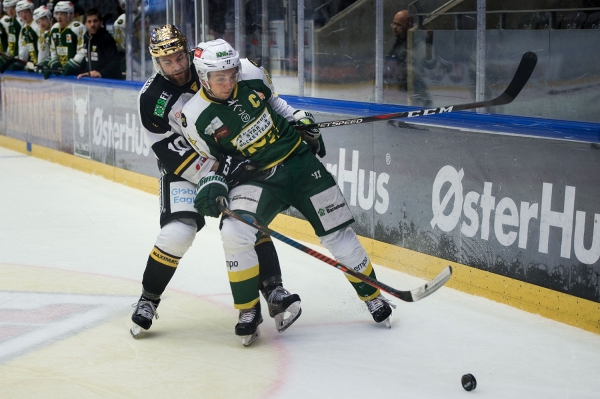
(252, 120)
(12, 26)
(67, 43)
(29, 42)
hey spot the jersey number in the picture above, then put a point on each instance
(179, 146)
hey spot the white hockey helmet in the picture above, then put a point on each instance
(64, 6)
(23, 5)
(212, 56)
(9, 3)
(122, 4)
(42, 12)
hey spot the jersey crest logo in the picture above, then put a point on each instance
(221, 132)
(217, 129)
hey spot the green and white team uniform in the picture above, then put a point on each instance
(29, 40)
(119, 32)
(3, 36)
(255, 123)
(12, 27)
(66, 45)
(43, 46)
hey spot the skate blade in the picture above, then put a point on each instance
(136, 331)
(248, 340)
(293, 311)
(388, 322)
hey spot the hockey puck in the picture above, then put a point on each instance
(468, 382)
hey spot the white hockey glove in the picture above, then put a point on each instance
(312, 137)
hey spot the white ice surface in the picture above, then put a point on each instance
(55, 218)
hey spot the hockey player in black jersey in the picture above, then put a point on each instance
(160, 103)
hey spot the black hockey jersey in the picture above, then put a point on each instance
(160, 103)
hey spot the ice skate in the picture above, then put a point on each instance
(145, 311)
(381, 309)
(247, 326)
(282, 303)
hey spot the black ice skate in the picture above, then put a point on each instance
(282, 303)
(381, 309)
(145, 311)
(247, 326)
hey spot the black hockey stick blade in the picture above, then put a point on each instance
(407, 296)
(522, 75)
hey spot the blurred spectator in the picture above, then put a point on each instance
(102, 57)
(396, 66)
(12, 25)
(66, 43)
(50, 5)
(43, 17)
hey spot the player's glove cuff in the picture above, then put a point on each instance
(208, 190)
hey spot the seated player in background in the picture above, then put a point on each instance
(66, 43)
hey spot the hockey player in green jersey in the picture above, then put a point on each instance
(66, 43)
(11, 25)
(160, 103)
(28, 38)
(238, 113)
(43, 17)
(3, 32)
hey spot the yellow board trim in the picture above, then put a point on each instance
(568, 309)
(554, 305)
(132, 179)
(243, 275)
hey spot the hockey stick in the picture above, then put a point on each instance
(522, 75)
(407, 296)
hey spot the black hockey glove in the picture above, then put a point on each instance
(312, 137)
(208, 190)
(236, 169)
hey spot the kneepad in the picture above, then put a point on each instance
(237, 237)
(345, 247)
(177, 236)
